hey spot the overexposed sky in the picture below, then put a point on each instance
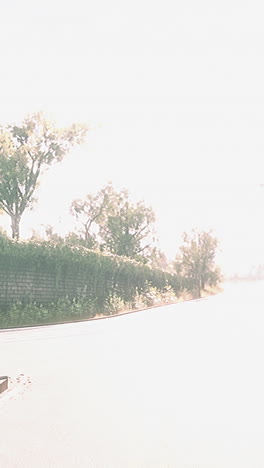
(174, 93)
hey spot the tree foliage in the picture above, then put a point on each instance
(196, 261)
(26, 150)
(118, 226)
(128, 231)
(92, 213)
(158, 259)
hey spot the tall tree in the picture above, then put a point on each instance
(128, 230)
(26, 150)
(92, 212)
(196, 261)
(120, 227)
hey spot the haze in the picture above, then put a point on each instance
(174, 96)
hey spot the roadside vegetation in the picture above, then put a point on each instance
(114, 243)
(65, 310)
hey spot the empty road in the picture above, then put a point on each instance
(173, 387)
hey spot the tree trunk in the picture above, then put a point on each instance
(15, 221)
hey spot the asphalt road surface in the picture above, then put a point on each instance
(172, 387)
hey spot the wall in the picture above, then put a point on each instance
(36, 286)
(45, 272)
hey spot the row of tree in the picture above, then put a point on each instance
(108, 220)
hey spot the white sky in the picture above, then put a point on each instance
(174, 92)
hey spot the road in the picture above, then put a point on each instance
(172, 387)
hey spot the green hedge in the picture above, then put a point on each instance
(104, 277)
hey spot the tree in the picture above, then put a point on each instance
(92, 212)
(158, 260)
(119, 226)
(26, 150)
(128, 230)
(195, 261)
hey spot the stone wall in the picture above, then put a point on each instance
(45, 272)
(40, 287)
